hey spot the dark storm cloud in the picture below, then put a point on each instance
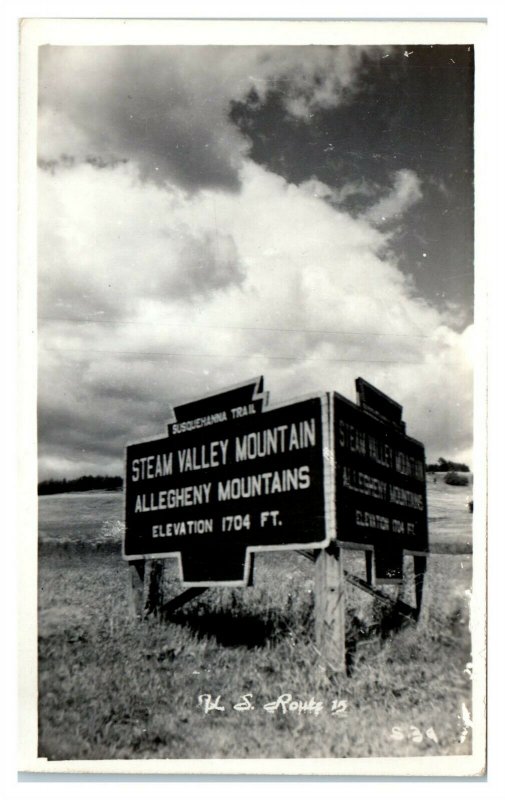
(79, 425)
(410, 113)
(97, 427)
(167, 108)
(138, 103)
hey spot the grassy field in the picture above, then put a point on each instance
(113, 687)
(81, 517)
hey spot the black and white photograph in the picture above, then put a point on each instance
(257, 532)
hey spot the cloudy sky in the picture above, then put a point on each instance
(210, 214)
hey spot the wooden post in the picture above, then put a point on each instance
(154, 588)
(420, 564)
(137, 573)
(369, 566)
(250, 580)
(330, 608)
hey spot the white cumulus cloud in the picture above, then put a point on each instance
(150, 295)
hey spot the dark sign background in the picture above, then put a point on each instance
(380, 487)
(294, 518)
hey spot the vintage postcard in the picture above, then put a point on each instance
(254, 522)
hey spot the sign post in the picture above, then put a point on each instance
(137, 575)
(329, 611)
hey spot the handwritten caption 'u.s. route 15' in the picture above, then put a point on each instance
(254, 480)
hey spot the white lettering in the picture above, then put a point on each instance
(192, 459)
(265, 483)
(199, 422)
(183, 528)
(404, 497)
(361, 482)
(150, 467)
(173, 498)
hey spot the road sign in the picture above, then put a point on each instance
(230, 478)
(380, 480)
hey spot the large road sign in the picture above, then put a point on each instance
(231, 478)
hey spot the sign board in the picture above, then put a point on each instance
(230, 478)
(380, 481)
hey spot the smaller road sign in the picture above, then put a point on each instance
(380, 480)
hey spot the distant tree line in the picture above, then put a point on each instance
(83, 484)
(447, 466)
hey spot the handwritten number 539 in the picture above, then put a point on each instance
(412, 733)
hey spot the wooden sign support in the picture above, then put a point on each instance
(167, 609)
(420, 564)
(154, 593)
(146, 597)
(329, 590)
(146, 590)
(369, 566)
(137, 602)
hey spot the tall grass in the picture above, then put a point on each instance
(113, 687)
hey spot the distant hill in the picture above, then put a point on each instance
(85, 483)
